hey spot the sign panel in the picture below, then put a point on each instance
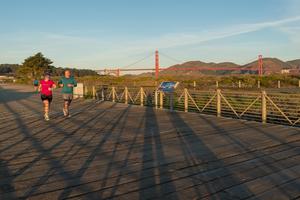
(168, 86)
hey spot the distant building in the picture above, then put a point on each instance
(4, 79)
(285, 71)
(290, 71)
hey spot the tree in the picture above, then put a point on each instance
(8, 68)
(5, 69)
(35, 66)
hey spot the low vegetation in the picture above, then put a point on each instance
(35, 66)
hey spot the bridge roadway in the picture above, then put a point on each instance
(115, 151)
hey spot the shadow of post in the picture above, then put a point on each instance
(263, 157)
(195, 152)
(7, 190)
(14, 95)
(95, 153)
(153, 155)
(54, 163)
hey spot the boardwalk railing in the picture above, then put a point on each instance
(259, 106)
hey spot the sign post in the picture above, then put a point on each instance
(168, 88)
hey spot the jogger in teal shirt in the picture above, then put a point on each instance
(67, 83)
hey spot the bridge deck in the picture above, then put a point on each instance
(116, 151)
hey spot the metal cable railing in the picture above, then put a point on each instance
(258, 106)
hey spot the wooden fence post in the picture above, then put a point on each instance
(126, 95)
(161, 100)
(94, 92)
(258, 84)
(217, 84)
(279, 84)
(142, 96)
(194, 84)
(219, 108)
(113, 94)
(156, 99)
(102, 94)
(240, 84)
(86, 90)
(186, 100)
(263, 107)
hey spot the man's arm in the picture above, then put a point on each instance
(75, 83)
(60, 83)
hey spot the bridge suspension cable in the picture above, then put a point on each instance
(170, 57)
(138, 61)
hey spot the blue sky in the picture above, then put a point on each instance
(97, 33)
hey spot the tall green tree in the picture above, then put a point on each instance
(35, 66)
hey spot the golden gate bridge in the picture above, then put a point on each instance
(157, 69)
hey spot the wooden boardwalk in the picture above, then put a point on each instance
(115, 151)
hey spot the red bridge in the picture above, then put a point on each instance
(157, 69)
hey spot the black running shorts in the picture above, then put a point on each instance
(45, 97)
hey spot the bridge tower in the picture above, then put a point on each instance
(260, 65)
(156, 64)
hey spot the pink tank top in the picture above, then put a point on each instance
(46, 87)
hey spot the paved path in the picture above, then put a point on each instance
(115, 151)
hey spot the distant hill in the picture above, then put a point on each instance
(270, 66)
(184, 68)
(295, 63)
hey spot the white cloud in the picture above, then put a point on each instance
(174, 40)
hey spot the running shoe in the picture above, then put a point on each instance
(69, 115)
(65, 112)
(46, 117)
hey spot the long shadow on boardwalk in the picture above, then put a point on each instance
(86, 126)
(7, 185)
(44, 152)
(75, 180)
(37, 130)
(195, 152)
(153, 154)
(97, 152)
(125, 163)
(264, 159)
(14, 95)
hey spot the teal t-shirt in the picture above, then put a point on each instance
(65, 81)
(36, 82)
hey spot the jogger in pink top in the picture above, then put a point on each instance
(46, 86)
